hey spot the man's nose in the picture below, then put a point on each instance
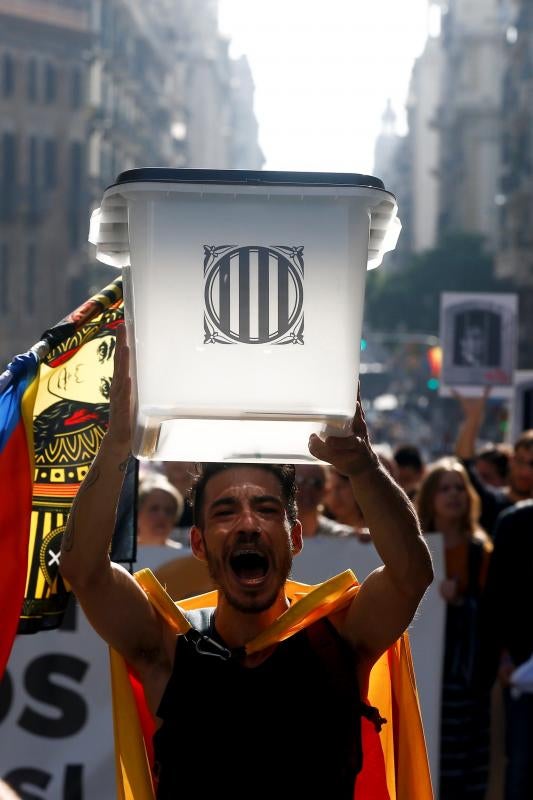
(248, 520)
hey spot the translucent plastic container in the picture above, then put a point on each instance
(244, 304)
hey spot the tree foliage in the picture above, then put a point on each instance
(408, 299)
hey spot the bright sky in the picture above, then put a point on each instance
(323, 70)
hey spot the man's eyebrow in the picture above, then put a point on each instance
(229, 500)
(266, 498)
(223, 501)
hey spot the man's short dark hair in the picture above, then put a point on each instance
(525, 440)
(408, 455)
(283, 472)
(497, 455)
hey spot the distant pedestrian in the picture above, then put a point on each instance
(411, 468)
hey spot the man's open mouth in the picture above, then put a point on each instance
(249, 566)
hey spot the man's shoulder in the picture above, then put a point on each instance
(517, 513)
(513, 532)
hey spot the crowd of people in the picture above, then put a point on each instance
(480, 499)
(244, 523)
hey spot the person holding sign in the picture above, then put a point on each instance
(246, 529)
(494, 500)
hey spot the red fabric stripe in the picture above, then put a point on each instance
(15, 512)
(145, 717)
(371, 783)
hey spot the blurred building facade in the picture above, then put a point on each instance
(423, 101)
(90, 88)
(409, 164)
(515, 252)
(469, 117)
(455, 124)
(43, 189)
(466, 162)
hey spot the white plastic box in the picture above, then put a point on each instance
(244, 304)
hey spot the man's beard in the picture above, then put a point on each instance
(251, 605)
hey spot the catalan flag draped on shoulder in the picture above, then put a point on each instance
(53, 414)
(395, 762)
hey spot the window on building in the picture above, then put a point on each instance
(50, 163)
(8, 75)
(75, 167)
(4, 277)
(75, 191)
(33, 176)
(8, 176)
(50, 83)
(76, 88)
(107, 24)
(105, 163)
(31, 275)
(33, 161)
(32, 80)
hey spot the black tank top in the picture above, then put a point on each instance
(288, 728)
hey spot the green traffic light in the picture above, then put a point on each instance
(433, 384)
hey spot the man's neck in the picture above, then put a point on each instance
(237, 628)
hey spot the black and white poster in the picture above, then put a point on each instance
(478, 334)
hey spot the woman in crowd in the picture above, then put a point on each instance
(340, 504)
(159, 507)
(448, 504)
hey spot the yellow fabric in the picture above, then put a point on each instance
(132, 770)
(412, 753)
(380, 696)
(313, 602)
(162, 601)
(392, 688)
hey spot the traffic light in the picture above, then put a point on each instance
(434, 356)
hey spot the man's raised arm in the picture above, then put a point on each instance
(389, 597)
(112, 600)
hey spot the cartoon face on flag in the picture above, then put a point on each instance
(70, 420)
